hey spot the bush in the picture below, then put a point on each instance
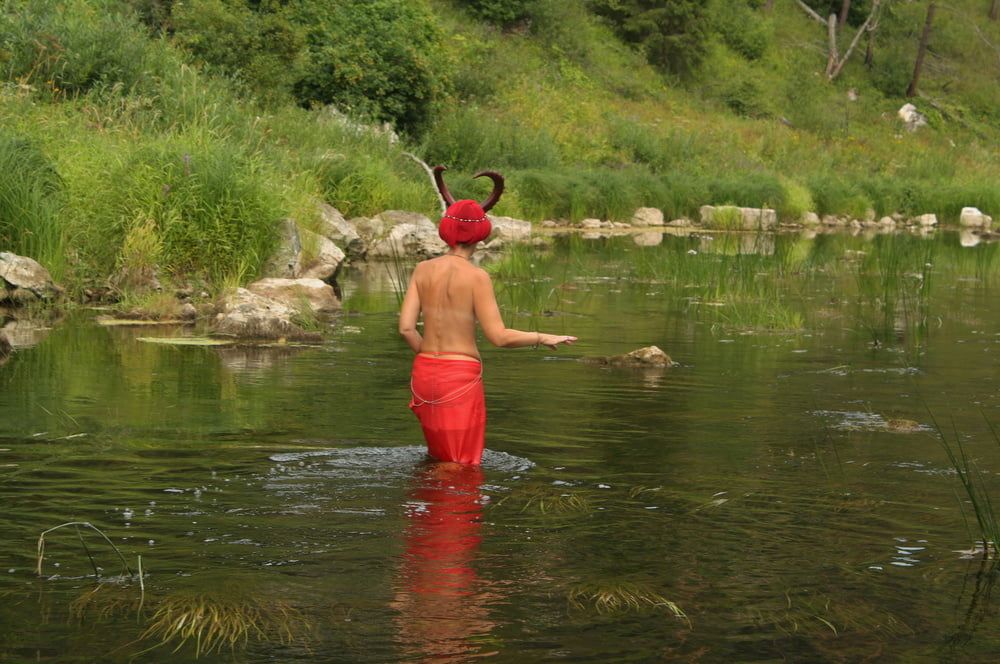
(500, 12)
(71, 47)
(375, 58)
(743, 30)
(469, 139)
(30, 192)
(261, 50)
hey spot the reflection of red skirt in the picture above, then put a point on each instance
(448, 400)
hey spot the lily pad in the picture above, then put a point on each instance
(187, 341)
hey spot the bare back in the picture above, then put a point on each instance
(445, 286)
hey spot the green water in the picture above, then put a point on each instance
(758, 484)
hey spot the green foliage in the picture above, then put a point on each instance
(466, 138)
(855, 16)
(74, 46)
(30, 195)
(262, 50)
(376, 58)
(671, 33)
(743, 30)
(500, 12)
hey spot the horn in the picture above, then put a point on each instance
(442, 187)
(497, 188)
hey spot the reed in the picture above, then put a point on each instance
(77, 525)
(547, 500)
(974, 486)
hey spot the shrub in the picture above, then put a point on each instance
(744, 31)
(500, 12)
(71, 47)
(261, 50)
(376, 58)
(470, 139)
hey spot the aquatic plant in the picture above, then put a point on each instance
(615, 597)
(547, 500)
(974, 485)
(217, 622)
(77, 525)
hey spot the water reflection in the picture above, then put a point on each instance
(442, 603)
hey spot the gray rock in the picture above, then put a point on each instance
(189, 311)
(810, 219)
(320, 258)
(590, 223)
(292, 293)
(911, 117)
(731, 216)
(647, 216)
(682, 222)
(509, 229)
(927, 220)
(22, 279)
(284, 262)
(409, 240)
(548, 223)
(341, 232)
(246, 315)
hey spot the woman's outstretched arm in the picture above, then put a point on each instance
(498, 334)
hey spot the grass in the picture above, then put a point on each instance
(547, 500)
(215, 623)
(77, 525)
(975, 488)
(622, 597)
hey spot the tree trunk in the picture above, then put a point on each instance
(925, 36)
(844, 9)
(870, 51)
(995, 10)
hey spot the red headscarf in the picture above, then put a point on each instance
(464, 222)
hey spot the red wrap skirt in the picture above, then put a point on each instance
(448, 400)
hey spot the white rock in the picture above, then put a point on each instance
(341, 232)
(927, 220)
(590, 223)
(293, 292)
(510, 229)
(967, 238)
(21, 276)
(810, 219)
(647, 216)
(913, 119)
(972, 217)
(320, 258)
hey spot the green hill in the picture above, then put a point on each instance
(150, 131)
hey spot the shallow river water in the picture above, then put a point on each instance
(778, 495)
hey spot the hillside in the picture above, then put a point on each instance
(149, 132)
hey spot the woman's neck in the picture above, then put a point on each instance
(462, 251)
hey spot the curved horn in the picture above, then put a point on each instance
(439, 180)
(497, 188)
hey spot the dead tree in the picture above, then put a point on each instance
(925, 36)
(835, 62)
(845, 9)
(995, 10)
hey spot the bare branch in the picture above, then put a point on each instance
(809, 10)
(868, 24)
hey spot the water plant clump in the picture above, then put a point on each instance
(617, 597)
(547, 500)
(213, 623)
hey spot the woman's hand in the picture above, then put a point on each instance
(553, 340)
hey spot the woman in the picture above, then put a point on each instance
(452, 294)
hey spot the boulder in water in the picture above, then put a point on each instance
(643, 358)
(22, 279)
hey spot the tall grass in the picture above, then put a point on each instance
(30, 198)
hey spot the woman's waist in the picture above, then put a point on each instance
(449, 355)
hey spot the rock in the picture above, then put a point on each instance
(293, 292)
(5, 348)
(972, 217)
(620, 224)
(810, 219)
(404, 235)
(682, 222)
(320, 258)
(548, 223)
(650, 356)
(887, 222)
(188, 311)
(647, 216)
(648, 239)
(341, 232)
(509, 229)
(732, 217)
(911, 117)
(22, 279)
(284, 261)
(926, 220)
(831, 220)
(590, 223)
(246, 315)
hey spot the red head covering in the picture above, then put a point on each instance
(464, 222)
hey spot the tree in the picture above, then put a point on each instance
(925, 36)
(835, 62)
(995, 10)
(672, 33)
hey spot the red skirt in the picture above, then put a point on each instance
(448, 400)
